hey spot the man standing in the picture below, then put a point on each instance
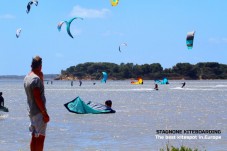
(34, 88)
(183, 84)
(1, 100)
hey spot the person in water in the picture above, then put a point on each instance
(1, 100)
(98, 106)
(80, 82)
(71, 83)
(183, 84)
(156, 86)
(108, 103)
(36, 101)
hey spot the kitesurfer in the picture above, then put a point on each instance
(108, 103)
(183, 84)
(36, 101)
(1, 100)
(156, 86)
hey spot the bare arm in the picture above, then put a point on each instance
(41, 106)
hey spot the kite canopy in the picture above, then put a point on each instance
(139, 81)
(59, 25)
(123, 44)
(30, 4)
(80, 107)
(190, 39)
(18, 32)
(68, 23)
(104, 78)
(164, 81)
(114, 2)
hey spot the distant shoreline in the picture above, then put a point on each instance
(70, 78)
(47, 76)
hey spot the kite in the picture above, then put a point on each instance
(190, 39)
(78, 106)
(114, 2)
(105, 76)
(68, 23)
(164, 81)
(18, 32)
(139, 81)
(123, 44)
(30, 4)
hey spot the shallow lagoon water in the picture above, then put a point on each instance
(140, 111)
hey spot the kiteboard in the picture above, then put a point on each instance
(4, 109)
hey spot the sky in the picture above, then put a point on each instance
(155, 32)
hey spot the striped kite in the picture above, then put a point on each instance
(190, 39)
(68, 23)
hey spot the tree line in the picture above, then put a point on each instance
(93, 70)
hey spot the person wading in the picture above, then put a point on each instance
(36, 101)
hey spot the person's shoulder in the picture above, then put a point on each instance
(35, 80)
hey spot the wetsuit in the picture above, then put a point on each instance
(183, 84)
(1, 101)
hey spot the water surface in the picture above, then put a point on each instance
(140, 111)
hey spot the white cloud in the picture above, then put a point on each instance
(224, 40)
(218, 40)
(214, 40)
(111, 33)
(6, 16)
(89, 13)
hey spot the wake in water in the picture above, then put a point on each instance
(3, 116)
(221, 86)
(199, 89)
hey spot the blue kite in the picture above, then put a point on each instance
(68, 23)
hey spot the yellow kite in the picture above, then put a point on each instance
(114, 2)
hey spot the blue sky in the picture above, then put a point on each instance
(155, 32)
